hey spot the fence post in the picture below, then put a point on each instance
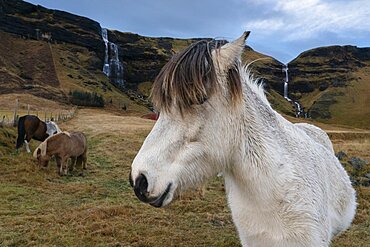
(15, 112)
(28, 109)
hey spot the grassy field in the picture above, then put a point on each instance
(37, 105)
(97, 207)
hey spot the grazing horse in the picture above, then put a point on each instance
(31, 127)
(284, 185)
(63, 146)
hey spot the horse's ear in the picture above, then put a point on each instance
(231, 52)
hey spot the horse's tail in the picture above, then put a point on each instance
(21, 132)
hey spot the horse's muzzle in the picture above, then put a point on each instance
(141, 187)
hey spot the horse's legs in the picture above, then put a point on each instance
(84, 161)
(58, 160)
(73, 162)
(27, 140)
(64, 166)
(27, 146)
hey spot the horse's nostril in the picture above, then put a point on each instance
(140, 187)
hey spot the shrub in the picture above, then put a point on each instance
(86, 99)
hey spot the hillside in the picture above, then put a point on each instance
(52, 71)
(333, 83)
(49, 53)
(50, 67)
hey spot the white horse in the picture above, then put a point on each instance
(284, 185)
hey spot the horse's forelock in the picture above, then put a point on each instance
(235, 83)
(42, 147)
(189, 78)
(35, 152)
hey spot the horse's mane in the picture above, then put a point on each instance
(66, 133)
(189, 78)
(43, 147)
(253, 84)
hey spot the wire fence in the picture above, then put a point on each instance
(10, 117)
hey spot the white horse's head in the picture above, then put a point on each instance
(199, 95)
(52, 128)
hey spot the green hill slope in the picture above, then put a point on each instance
(333, 83)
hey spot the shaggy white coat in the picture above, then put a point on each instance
(284, 185)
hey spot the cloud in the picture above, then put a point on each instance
(309, 19)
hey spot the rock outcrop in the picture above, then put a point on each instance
(36, 22)
(325, 67)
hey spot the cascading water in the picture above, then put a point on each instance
(104, 33)
(285, 70)
(299, 112)
(113, 67)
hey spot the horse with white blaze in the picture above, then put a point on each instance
(284, 185)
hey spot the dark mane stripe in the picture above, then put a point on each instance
(189, 78)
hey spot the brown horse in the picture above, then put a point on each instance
(31, 127)
(63, 146)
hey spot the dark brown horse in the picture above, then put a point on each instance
(31, 127)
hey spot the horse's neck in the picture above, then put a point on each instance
(254, 167)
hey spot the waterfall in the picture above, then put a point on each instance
(104, 33)
(113, 67)
(285, 70)
(299, 112)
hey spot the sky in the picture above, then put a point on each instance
(279, 28)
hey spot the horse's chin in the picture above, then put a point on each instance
(165, 198)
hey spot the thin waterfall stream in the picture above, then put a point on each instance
(299, 112)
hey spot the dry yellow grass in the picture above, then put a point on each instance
(98, 208)
(8, 102)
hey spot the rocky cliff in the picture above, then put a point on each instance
(36, 22)
(325, 67)
(143, 57)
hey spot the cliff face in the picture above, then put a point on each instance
(143, 57)
(36, 22)
(325, 67)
